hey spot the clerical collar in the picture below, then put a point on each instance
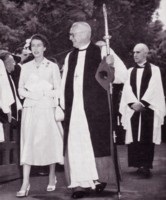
(140, 66)
(84, 48)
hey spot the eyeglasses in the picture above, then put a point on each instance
(73, 34)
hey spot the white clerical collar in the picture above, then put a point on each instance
(142, 64)
(84, 47)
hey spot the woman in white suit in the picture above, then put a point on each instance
(41, 135)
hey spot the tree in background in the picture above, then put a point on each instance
(129, 23)
(158, 46)
(19, 20)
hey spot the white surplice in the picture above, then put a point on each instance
(154, 95)
(6, 95)
(80, 152)
(81, 157)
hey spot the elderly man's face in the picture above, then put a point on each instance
(10, 63)
(78, 37)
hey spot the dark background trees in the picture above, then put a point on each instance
(129, 23)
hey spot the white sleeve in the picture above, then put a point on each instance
(120, 68)
(55, 92)
(6, 95)
(63, 82)
(24, 93)
(155, 94)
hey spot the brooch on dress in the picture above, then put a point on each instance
(47, 64)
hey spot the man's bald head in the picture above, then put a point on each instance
(141, 51)
(143, 47)
(80, 34)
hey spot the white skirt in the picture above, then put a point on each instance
(41, 137)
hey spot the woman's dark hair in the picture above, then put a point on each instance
(40, 37)
(19, 50)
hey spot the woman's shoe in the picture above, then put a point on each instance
(51, 188)
(23, 193)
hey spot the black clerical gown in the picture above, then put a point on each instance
(143, 128)
(95, 101)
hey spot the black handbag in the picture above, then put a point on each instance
(3, 117)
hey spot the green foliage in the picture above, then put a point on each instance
(158, 46)
(129, 23)
(19, 20)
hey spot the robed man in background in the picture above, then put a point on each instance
(143, 109)
(16, 106)
(6, 99)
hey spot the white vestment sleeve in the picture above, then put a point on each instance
(155, 97)
(126, 112)
(6, 95)
(120, 68)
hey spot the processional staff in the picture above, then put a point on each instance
(105, 77)
(107, 38)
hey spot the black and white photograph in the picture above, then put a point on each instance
(83, 99)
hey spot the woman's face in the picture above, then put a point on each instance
(37, 48)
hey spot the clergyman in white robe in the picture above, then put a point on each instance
(143, 129)
(6, 96)
(83, 169)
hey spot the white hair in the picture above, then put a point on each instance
(82, 25)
